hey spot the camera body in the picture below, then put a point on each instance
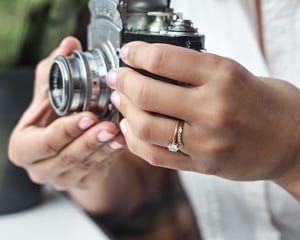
(77, 82)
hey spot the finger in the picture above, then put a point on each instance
(159, 130)
(152, 128)
(156, 155)
(90, 148)
(39, 114)
(94, 140)
(171, 61)
(106, 150)
(76, 153)
(152, 95)
(48, 142)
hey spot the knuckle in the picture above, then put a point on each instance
(143, 131)
(123, 74)
(91, 145)
(50, 150)
(230, 70)
(142, 94)
(69, 131)
(69, 160)
(156, 58)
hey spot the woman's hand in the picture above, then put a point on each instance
(69, 151)
(237, 125)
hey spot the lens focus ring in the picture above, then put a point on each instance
(77, 83)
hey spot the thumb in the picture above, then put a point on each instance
(66, 47)
(41, 86)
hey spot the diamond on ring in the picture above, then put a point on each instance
(174, 147)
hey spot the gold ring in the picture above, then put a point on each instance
(177, 143)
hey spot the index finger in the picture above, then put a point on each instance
(178, 63)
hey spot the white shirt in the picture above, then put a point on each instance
(228, 210)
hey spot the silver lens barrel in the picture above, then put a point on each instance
(77, 83)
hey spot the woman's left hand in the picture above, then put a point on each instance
(236, 125)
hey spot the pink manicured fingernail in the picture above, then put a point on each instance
(111, 78)
(115, 99)
(124, 52)
(104, 136)
(115, 145)
(85, 123)
(123, 127)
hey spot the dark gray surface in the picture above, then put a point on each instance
(17, 192)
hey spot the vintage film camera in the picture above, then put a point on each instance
(77, 83)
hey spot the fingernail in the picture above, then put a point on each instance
(85, 123)
(123, 127)
(115, 145)
(115, 99)
(124, 52)
(104, 136)
(111, 78)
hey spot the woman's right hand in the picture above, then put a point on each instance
(68, 151)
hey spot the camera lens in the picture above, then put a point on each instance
(77, 83)
(59, 91)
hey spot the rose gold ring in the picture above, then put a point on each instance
(177, 143)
